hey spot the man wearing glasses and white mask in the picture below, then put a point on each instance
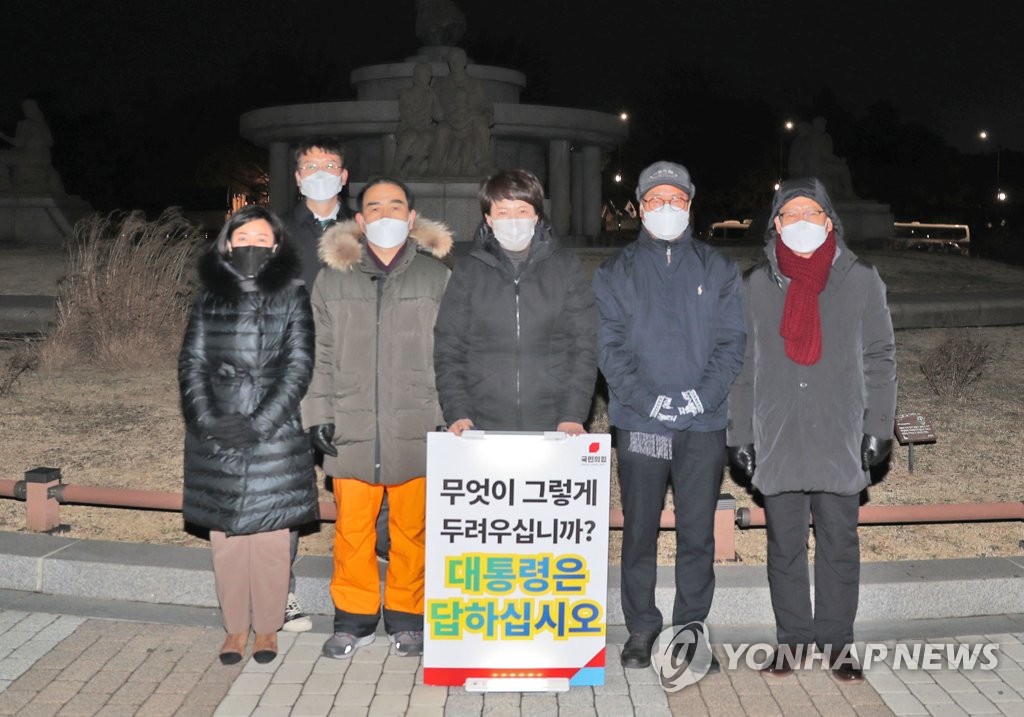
(320, 175)
(670, 343)
(810, 415)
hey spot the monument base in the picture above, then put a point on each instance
(40, 219)
(865, 223)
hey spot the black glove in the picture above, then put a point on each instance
(321, 437)
(874, 450)
(234, 430)
(743, 457)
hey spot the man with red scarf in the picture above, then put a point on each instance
(811, 412)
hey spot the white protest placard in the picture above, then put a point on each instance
(516, 557)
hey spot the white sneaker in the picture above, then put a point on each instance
(294, 619)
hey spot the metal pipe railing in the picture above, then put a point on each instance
(905, 514)
(42, 492)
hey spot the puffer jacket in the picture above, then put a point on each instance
(806, 423)
(248, 349)
(517, 351)
(374, 373)
(670, 319)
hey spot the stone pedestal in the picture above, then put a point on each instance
(865, 223)
(38, 219)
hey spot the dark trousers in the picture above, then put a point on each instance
(836, 567)
(695, 472)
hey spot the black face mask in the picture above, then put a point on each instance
(248, 260)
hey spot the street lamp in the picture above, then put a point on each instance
(1000, 194)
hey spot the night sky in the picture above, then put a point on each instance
(138, 93)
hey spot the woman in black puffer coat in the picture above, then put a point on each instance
(245, 364)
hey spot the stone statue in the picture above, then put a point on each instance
(417, 107)
(463, 141)
(439, 22)
(27, 166)
(812, 155)
(799, 151)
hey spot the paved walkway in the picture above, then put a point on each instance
(68, 664)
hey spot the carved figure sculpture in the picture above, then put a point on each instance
(28, 161)
(439, 22)
(812, 155)
(463, 141)
(417, 106)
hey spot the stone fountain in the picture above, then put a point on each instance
(442, 123)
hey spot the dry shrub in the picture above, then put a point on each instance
(955, 365)
(24, 358)
(125, 301)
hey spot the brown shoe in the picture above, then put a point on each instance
(264, 649)
(233, 647)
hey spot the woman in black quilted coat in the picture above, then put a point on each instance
(245, 364)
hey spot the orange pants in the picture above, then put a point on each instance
(355, 585)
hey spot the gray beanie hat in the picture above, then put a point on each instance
(665, 173)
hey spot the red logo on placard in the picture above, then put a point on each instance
(594, 447)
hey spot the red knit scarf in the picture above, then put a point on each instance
(801, 322)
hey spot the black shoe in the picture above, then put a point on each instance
(845, 669)
(778, 665)
(636, 653)
(713, 666)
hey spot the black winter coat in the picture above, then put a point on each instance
(248, 349)
(516, 352)
(304, 234)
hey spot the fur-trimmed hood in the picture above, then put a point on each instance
(219, 278)
(342, 246)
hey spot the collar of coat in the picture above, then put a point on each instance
(844, 259)
(487, 249)
(219, 278)
(343, 247)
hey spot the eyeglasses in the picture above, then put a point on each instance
(678, 202)
(313, 167)
(808, 215)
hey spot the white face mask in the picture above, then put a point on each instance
(804, 237)
(387, 233)
(666, 223)
(514, 234)
(320, 186)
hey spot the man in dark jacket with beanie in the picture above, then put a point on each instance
(670, 343)
(810, 414)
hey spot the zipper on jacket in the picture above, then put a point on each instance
(519, 356)
(668, 253)
(379, 281)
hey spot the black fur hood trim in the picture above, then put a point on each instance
(219, 278)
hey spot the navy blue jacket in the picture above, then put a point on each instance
(670, 319)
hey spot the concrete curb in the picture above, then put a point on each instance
(164, 574)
